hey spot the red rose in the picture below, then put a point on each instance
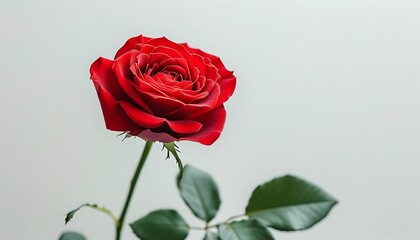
(163, 91)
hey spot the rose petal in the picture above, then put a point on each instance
(224, 73)
(149, 121)
(141, 118)
(142, 60)
(199, 84)
(161, 105)
(156, 99)
(132, 43)
(227, 87)
(198, 51)
(212, 72)
(164, 80)
(213, 124)
(114, 115)
(101, 72)
(177, 65)
(158, 59)
(193, 110)
(185, 126)
(199, 64)
(150, 86)
(168, 44)
(171, 52)
(122, 70)
(187, 96)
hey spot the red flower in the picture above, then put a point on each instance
(163, 91)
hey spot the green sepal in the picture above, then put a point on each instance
(173, 148)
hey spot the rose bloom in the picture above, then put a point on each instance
(163, 91)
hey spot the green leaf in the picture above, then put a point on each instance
(200, 193)
(108, 212)
(162, 224)
(71, 236)
(289, 203)
(211, 236)
(250, 229)
(70, 214)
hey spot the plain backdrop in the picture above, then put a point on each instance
(328, 90)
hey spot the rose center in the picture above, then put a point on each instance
(175, 76)
(168, 77)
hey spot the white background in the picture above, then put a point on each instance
(326, 90)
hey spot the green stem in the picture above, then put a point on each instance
(215, 225)
(234, 217)
(143, 158)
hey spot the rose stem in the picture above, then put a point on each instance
(143, 158)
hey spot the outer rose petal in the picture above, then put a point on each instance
(213, 123)
(224, 73)
(149, 121)
(185, 126)
(227, 82)
(131, 44)
(101, 72)
(141, 118)
(114, 115)
(227, 87)
(198, 51)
